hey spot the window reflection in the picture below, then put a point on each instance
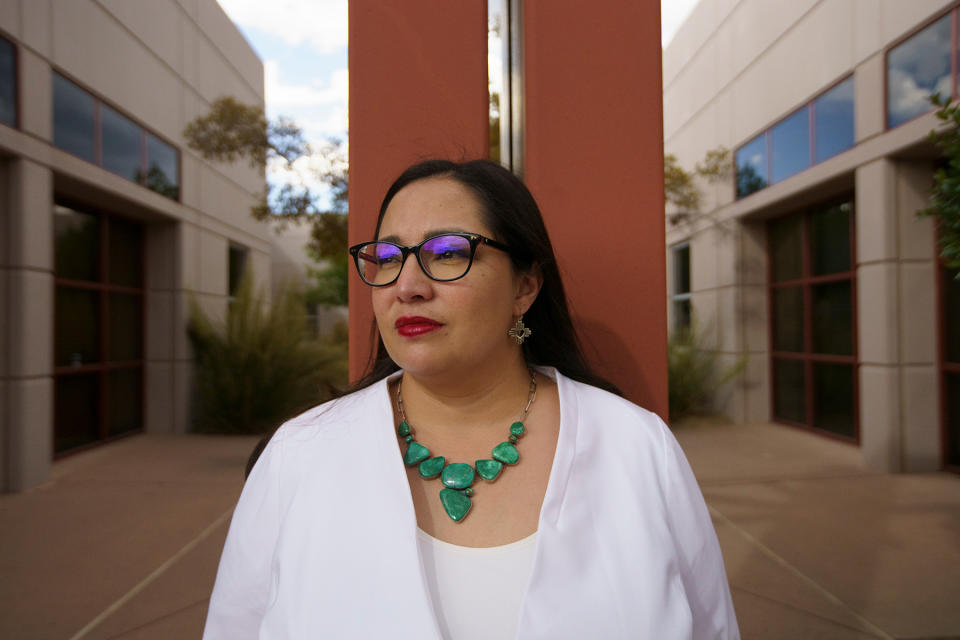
(833, 118)
(8, 83)
(752, 166)
(916, 69)
(76, 244)
(125, 148)
(790, 142)
(163, 170)
(120, 144)
(72, 118)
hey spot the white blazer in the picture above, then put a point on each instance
(323, 540)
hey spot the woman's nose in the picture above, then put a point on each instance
(412, 282)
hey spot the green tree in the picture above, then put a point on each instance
(945, 193)
(232, 131)
(680, 187)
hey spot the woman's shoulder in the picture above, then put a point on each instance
(595, 403)
(334, 416)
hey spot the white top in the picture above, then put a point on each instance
(476, 591)
(323, 542)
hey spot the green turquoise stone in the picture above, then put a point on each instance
(457, 475)
(468, 491)
(416, 453)
(455, 504)
(517, 429)
(506, 453)
(431, 468)
(408, 438)
(403, 429)
(489, 469)
(512, 438)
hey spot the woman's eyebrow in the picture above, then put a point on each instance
(395, 239)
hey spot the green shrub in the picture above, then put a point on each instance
(259, 368)
(692, 373)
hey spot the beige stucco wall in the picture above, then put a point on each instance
(161, 63)
(734, 69)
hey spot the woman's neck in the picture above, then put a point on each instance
(477, 401)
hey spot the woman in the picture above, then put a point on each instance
(479, 481)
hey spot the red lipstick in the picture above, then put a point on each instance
(413, 326)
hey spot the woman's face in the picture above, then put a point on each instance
(431, 327)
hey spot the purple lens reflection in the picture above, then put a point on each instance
(446, 257)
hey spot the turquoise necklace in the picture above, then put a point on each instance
(457, 477)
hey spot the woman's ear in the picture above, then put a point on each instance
(528, 287)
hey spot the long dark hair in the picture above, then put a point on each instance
(513, 216)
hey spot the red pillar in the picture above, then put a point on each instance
(594, 152)
(594, 162)
(418, 89)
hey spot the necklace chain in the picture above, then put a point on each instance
(458, 477)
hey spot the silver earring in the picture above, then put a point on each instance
(519, 332)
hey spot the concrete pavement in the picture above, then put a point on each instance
(123, 542)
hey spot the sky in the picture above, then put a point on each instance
(303, 45)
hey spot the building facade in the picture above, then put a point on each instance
(109, 225)
(809, 263)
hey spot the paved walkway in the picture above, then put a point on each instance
(123, 542)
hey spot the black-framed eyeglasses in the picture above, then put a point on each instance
(443, 258)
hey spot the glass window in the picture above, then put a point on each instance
(237, 263)
(8, 83)
(681, 268)
(830, 240)
(833, 121)
(125, 258)
(788, 319)
(786, 248)
(811, 318)
(77, 411)
(752, 166)
(951, 316)
(76, 327)
(790, 145)
(124, 412)
(125, 324)
(832, 317)
(952, 389)
(76, 244)
(916, 69)
(73, 118)
(163, 168)
(97, 322)
(789, 397)
(833, 398)
(681, 285)
(120, 144)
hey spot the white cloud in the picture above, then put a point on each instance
(280, 95)
(320, 23)
(319, 107)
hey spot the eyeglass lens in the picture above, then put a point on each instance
(442, 258)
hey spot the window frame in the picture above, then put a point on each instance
(808, 357)
(104, 366)
(144, 131)
(944, 367)
(952, 9)
(16, 82)
(767, 134)
(678, 296)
